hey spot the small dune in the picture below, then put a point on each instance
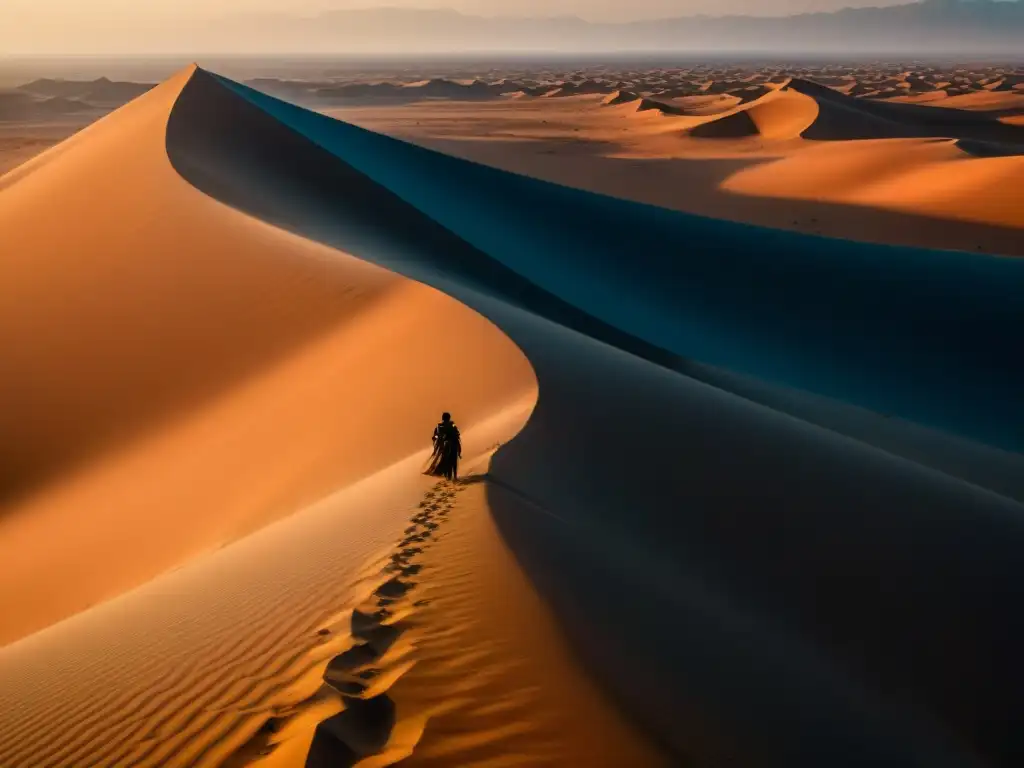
(778, 115)
(658, 107)
(620, 97)
(817, 112)
(842, 118)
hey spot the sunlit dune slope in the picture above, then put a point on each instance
(936, 178)
(185, 374)
(189, 667)
(782, 579)
(942, 162)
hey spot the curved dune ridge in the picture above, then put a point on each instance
(778, 115)
(193, 667)
(700, 309)
(802, 108)
(769, 485)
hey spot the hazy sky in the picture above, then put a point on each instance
(56, 26)
(48, 13)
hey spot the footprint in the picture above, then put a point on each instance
(392, 588)
(349, 687)
(361, 730)
(365, 726)
(363, 623)
(340, 667)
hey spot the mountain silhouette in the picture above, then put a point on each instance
(947, 27)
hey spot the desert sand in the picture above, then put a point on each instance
(186, 469)
(816, 148)
(731, 495)
(820, 163)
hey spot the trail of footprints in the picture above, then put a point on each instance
(362, 675)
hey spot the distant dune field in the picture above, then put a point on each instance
(798, 157)
(768, 149)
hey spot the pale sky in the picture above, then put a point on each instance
(38, 11)
(55, 26)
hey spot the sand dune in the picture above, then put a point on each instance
(653, 105)
(220, 692)
(843, 118)
(766, 484)
(819, 113)
(778, 115)
(620, 97)
(958, 180)
(533, 333)
(203, 318)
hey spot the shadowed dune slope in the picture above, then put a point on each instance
(782, 306)
(365, 221)
(759, 589)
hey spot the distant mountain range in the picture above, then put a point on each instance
(930, 27)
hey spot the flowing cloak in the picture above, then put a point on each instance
(444, 460)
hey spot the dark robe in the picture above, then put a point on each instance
(444, 462)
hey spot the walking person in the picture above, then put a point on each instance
(444, 462)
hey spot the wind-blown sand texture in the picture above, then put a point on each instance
(734, 495)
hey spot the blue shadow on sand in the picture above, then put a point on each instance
(930, 336)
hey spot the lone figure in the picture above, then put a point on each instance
(444, 462)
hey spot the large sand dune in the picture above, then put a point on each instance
(767, 484)
(154, 323)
